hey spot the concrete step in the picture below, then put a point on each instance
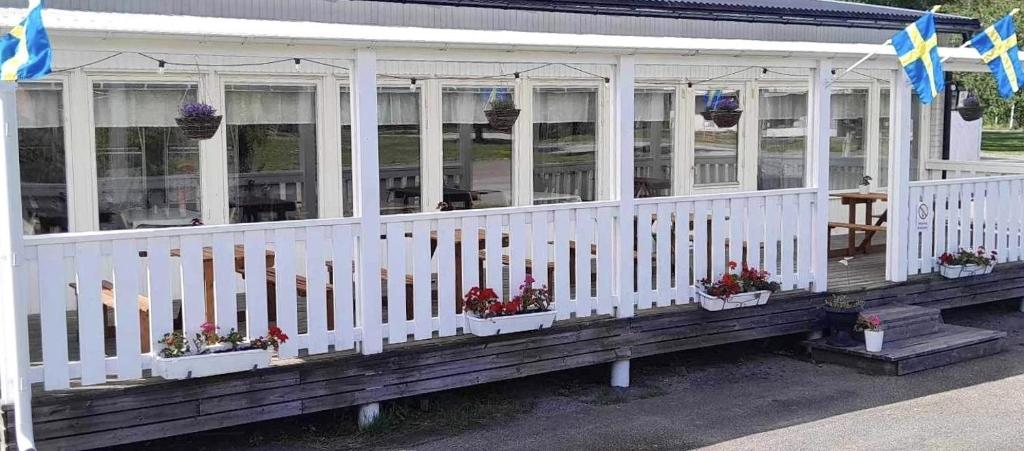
(950, 344)
(905, 321)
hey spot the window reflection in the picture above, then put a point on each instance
(44, 199)
(272, 158)
(652, 148)
(477, 157)
(782, 138)
(148, 171)
(716, 147)
(848, 155)
(564, 145)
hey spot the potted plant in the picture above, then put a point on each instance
(750, 288)
(724, 112)
(208, 353)
(865, 184)
(971, 109)
(842, 312)
(198, 120)
(488, 315)
(966, 263)
(502, 112)
(871, 325)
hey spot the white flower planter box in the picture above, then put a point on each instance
(485, 327)
(751, 299)
(873, 340)
(210, 364)
(958, 271)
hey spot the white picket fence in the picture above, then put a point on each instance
(966, 213)
(681, 240)
(158, 278)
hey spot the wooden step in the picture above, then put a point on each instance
(950, 344)
(905, 321)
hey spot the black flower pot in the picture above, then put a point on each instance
(726, 119)
(971, 113)
(199, 127)
(840, 326)
(502, 119)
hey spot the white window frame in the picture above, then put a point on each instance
(755, 128)
(743, 153)
(871, 126)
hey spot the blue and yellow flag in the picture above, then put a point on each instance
(25, 52)
(998, 48)
(918, 49)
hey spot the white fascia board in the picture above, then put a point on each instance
(374, 36)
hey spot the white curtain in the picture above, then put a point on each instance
(39, 107)
(248, 105)
(466, 106)
(394, 107)
(652, 106)
(849, 104)
(149, 106)
(564, 105)
(782, 106)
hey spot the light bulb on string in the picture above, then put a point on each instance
(519, 80)
(412, 85)
(161, 67)
(298, 64)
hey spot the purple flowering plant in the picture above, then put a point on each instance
(197, 110)
(727, 104)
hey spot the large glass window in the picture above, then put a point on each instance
(477, 156)
(44, 191)
(271, 136)
(564, 145)
(147, 170)
(782, 138)
(883, 136)
(398, 135)
(652, 148)
(848, 155)
(716, 146)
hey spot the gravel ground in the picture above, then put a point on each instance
(757, 395)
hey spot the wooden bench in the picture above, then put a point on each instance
(869, 230)
(107, 297)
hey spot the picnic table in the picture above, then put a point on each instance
(853, 226)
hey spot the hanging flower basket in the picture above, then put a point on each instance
(198, 121)
(726, 119)
(971, 109)
(502, 116)
(971, 113)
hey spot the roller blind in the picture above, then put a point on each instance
(248, 105)
(139, 105)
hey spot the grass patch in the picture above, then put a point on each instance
(1002, 141)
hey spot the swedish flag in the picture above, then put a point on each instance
(25, 52)
(998, 48)
(918, 49)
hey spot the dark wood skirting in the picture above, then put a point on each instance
(145, 410)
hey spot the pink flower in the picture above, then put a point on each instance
(208, 328)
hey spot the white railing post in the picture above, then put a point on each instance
(17, 390)
(366, 196)
(622, 159)
(821, 120)
(898, 234)
(622, 102)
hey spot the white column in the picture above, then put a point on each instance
(329, 173)
(213, 157)
(17, 390)
(902, 127)
(818, 171)
(366, 196)
(368, 415)
(522, 145)
(431, 147)
(620, 374)
(622, 158)
(83, 191)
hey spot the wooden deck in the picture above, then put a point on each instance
(124, 413)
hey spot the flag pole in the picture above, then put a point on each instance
(869, 55)
(968, 43)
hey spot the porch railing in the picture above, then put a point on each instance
(105, 300)
(965, 213)
(934, 169)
